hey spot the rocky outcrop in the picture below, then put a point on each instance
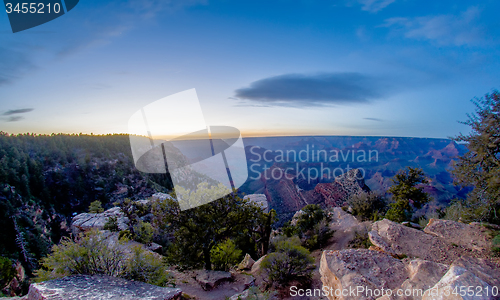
(256, 266)
(161, 196)
(246, 263)
(259, 200)
(87, 221)
(402, 241)
(423, 274)
(468, 236)
(211, 279)
(99, 287)
(338, 192)
(352, 268)
(483, 276)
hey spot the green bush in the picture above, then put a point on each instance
(143, 232)
(96, 207)
(92, 254)
(360, 240)
(290, 262)
(89, 255)
(367, 206)
(312, 227)
(125, 235)
(496, 245)
(112, 224)
(225, 255)
(398, 212)
(7, 271)
(147, 267)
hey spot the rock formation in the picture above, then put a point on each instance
(445, 256)
(258, 199)
(211, 279)
(99, 287)
(86, 221)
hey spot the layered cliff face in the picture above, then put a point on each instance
(295, 171)
(286, 197)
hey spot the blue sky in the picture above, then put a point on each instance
(353, 67)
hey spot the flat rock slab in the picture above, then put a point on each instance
(481, 275)
(87, 221)
(400, 240)
(211, 279)
(353, 268)
(469, 236)
(99, 288)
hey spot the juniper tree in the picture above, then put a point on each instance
(480, 166)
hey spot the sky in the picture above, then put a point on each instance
(349, 67)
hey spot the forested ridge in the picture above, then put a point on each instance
(45, 179)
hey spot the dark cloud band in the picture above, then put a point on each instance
(17, 111)
(312, 90)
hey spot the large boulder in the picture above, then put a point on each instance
(469, 236)
(99, 287)
(423, 274)
(256, 266)
(211, 279)
(402, 241)
(467, 278)
(346, 270)
(342, 220)
(259, 200)
(87, 221)
(246, 263)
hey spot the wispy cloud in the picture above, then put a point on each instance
(12, 115)
(374, 6)
(446, 29)
(116, 18)
(17, 111)
(13, 64)
(300, 90)
(373, 119)
(14, 118)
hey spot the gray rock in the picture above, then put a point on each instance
(86, 221)
(211, 279)
(161, 196)
(350, 268)
(423, 274)
(256, 266)
(252, 293)
(99, 287)
(465, 235)
(248, 281)
(400, 240)
(154, 247)
(246, 263)
(480, 274)
(259, 199)
(296, 216)
(343, 220)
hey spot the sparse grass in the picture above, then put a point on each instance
(360, 240)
